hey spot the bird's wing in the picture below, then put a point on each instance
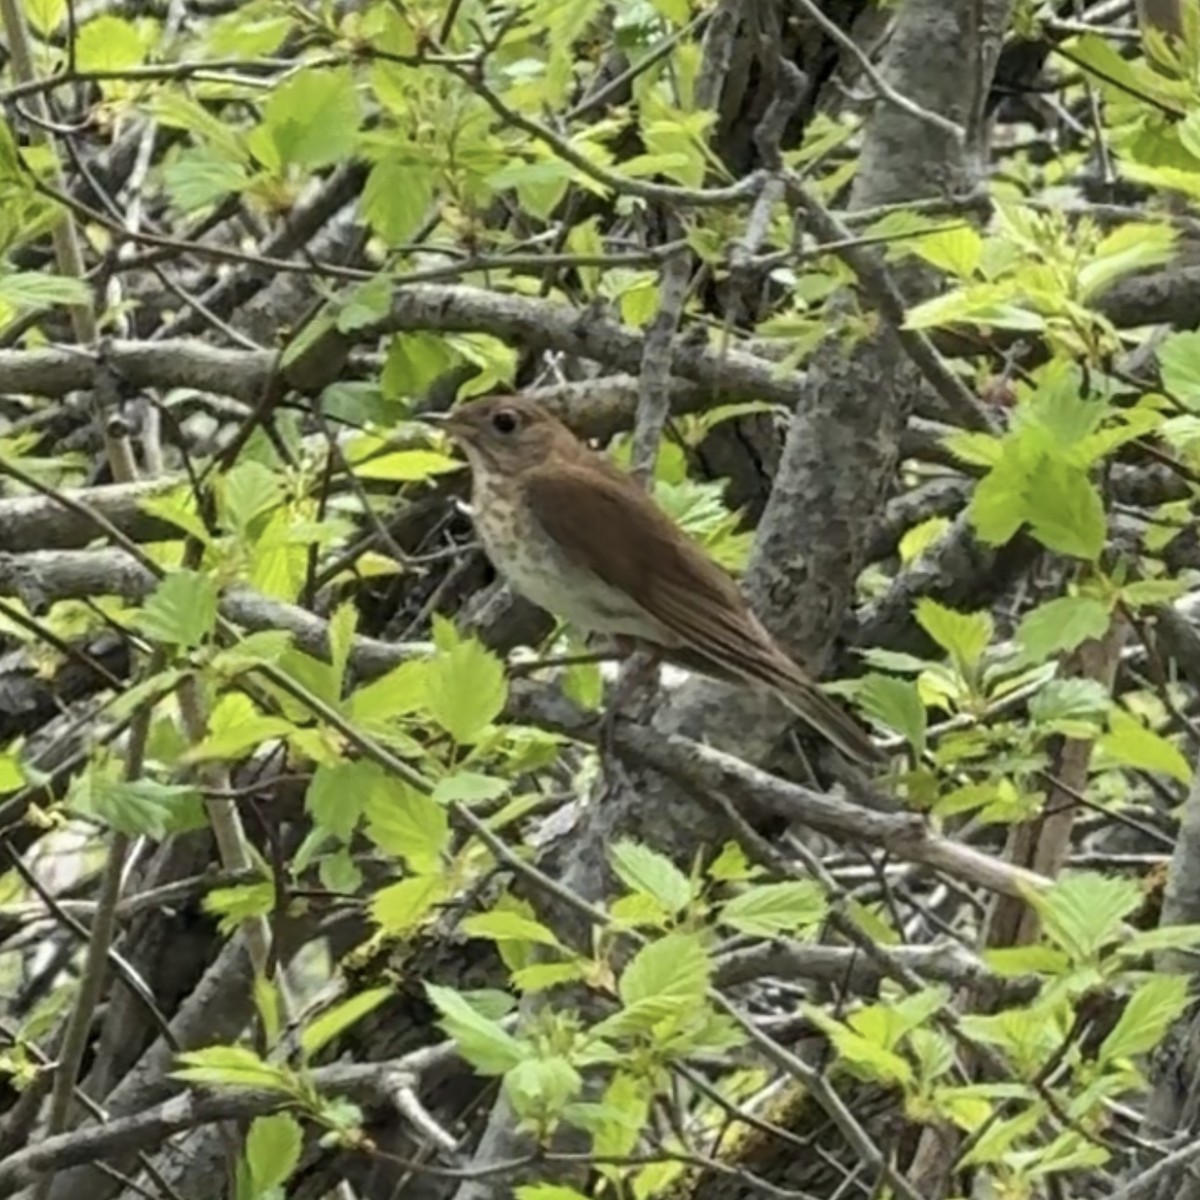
(632, 544)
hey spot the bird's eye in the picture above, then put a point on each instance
(505, 421)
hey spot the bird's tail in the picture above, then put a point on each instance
(814, 707)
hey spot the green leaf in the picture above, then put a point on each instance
(677, 11)
(342, 626)
(407, 466)
(465, 690)
(649, 873)
(1135, 246)
(547, 1191)
(139, 807)
(1065, 511)
(401, 907)
(36, 291)
(235, 905)
(1070, 700)
(1144, 1021)
(483, 1042)
(956, 251)
(397, 694)
(1132, 744)
(1084, 912)
(1061, 625)
(231, 1066)
(768, 910)
(674, 968)
(310, 121)
(396, 197)
(319, 1032)
(964, 636)
(864, 1056)
(414, 361)
(897, 703)
(12, 773)
(108, 43)
(45, 15)
(501, 926)
(365, 304)
(197, 177)
(542, 1087)
(997, 508)
(337, 793)
(1117, 77)
(272, 1150)
(403, 821)
(182, 610)
(469, 787)
(1179, 361)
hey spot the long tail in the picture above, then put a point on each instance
(814, 707)
(769, 665)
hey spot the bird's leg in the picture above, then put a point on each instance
(640, 667)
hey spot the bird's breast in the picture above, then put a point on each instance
(538, 568)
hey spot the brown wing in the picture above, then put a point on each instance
(634, 545)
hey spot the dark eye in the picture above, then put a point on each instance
(505, 421)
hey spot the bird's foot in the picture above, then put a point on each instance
(640, 669)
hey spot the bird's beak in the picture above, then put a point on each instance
(437, 419)
(448, 422)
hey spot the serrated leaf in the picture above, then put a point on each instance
(36, 291)
(964, 636)
(398, 693)
(396, 197)
(469, 787)
(1179, 361)
(311, 121)
(501, 926)
(465, 690)
(1084, 912)
(1132, 744)
(956, 251)
(403, 821)
(1070, 700)
(235, 905)
(182, 610)
(401, 907)
(139, 807)
(1065, 511)
(1061, 625)
(337, 794)
(1134, 246)
(674, 968)
(45, 15)
(320, 1031)
(272, 1150)
(12, 773)
(231, 1066)
(483, 1042)
(897, 703)
(770, 909)
(1145, 1019)
(108, 43)
(652, 874)
(542, 1087)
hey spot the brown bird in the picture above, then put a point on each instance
(579, 538)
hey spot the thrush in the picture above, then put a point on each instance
(578, 537)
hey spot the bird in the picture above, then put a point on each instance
(574, 534)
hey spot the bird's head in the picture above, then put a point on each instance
(505, 433)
